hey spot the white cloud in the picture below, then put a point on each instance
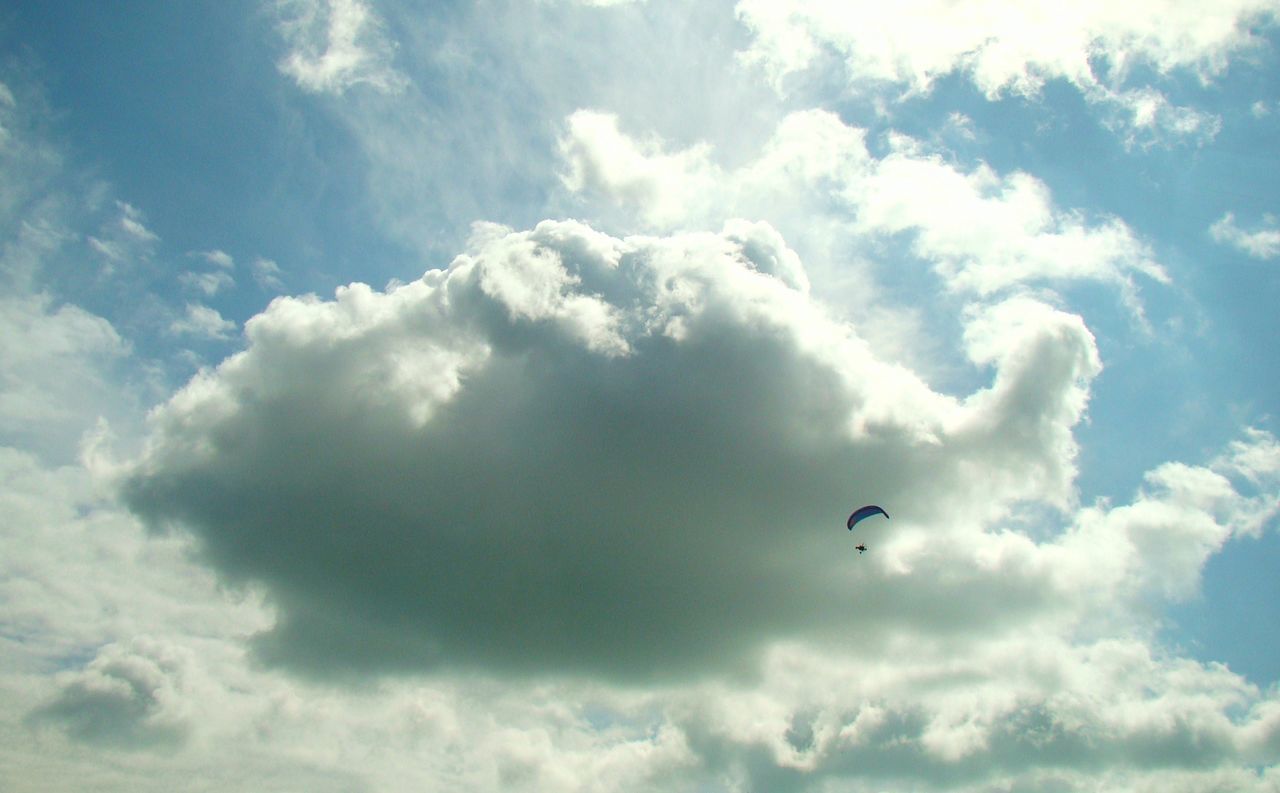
(601, 158)
(983, 232)
(336, 45)
(112, 637)
(988, 232)
(56, 364)
(266, 274)
(1158, 545)
(123, 239)
(131, 223)
(82, 573)
(1263, 243)
(203, 322)
(217, 258)
(211, 282)
(961, 126)
(1019, 708)
(1146, 117)
(1011, 46)
(208, 283)
(961, 725)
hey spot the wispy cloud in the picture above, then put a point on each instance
(208, 283)
(1145, 117)
(202, 321)
(123, 238)
(218, 258)
(131, 223)
(266, 274)
(336, 45)
(1261, 243)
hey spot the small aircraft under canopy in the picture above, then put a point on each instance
(862, 513)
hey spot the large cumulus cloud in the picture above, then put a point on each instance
(570, 452)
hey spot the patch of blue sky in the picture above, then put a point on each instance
(1232, 620)
(182, 113)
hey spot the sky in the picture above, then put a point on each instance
(470, 396)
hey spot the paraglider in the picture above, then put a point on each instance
(861, 513)
(865, 512)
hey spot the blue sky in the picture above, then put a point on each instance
(470, 395)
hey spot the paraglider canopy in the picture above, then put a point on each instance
(865, 512)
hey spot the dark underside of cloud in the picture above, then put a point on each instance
(573, 512)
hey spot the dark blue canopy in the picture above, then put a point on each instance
(865, 512)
